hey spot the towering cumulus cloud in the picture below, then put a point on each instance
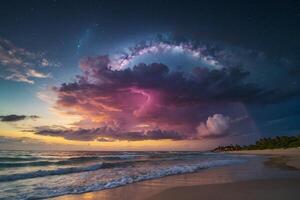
(155, 101)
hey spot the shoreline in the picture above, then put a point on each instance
(257, 170)
(270, 189)
(285, 158)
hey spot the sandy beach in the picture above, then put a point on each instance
(274, 174)
(273, 189)
(248, 190)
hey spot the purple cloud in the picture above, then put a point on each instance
(106, 134)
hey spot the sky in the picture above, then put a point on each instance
(147, 75)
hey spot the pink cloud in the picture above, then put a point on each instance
(215, 126)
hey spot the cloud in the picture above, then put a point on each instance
(128, 102)
(36, 74)
(215, 126)
(14, 118)
(154, 97)
(106, 134)
(17, 142)
(20, 64)
(17, 76)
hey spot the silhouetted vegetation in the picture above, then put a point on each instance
(265, 143)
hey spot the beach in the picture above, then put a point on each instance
(289, 157)
(273, 189)
(248, 190)
(49, 174)
(269, 174)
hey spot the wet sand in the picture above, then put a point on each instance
(248, 190)
(251, 180)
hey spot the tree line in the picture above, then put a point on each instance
(265, 143)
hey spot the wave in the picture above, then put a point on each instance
(12, 159)
(121, 157)
(153, 174)
(69, 161)
(62, 171)
(76, 160)
(42, 173)
(45, 163)
(25, 164)
(175, 155)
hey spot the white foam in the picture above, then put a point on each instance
(42, 173)
(152, 174)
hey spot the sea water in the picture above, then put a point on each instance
(38, 175)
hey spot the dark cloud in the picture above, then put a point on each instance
(106, 134)
(133, 101)
(14, 118)
(226, 84)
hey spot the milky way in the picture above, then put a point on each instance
(200, 53)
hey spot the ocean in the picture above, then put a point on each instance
(39, 175)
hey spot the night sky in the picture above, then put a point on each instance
(147, 75)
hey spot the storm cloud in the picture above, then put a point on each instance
(15, 118)
(106, 134)
(153, 102)
(156, 101)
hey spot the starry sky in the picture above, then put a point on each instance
(147, 75)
